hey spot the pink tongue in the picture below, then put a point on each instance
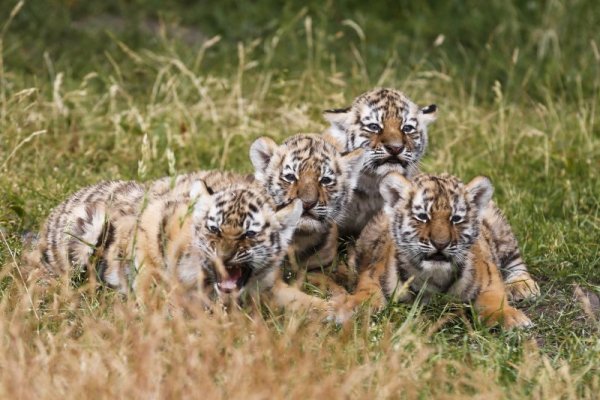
(231, 282)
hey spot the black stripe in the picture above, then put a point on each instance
(487, 265)
(160, 237)
(337, 110)
(105, 240)
(510, 259)
(45, 258)
(101, 269)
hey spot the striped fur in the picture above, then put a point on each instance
(393, 129)
(78, 227)
(181, 185)
(217, 237)
(512, 266)
(430, 239)
(309, 168)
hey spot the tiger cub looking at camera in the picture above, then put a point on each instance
(430, 239)
(309, 168)
(220, 239)
(393, 131)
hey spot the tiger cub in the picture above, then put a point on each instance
(393, 131)
(77, 227)
(212, 242)
(430, 239)
(308, 168)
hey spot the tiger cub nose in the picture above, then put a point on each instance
(440, 244)
(394, 150)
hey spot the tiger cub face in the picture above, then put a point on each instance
(391, 128)
(308, 168)
(241, 232)
(434, 220)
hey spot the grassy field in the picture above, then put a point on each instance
(134, 90)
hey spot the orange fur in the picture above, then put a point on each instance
(387, 251)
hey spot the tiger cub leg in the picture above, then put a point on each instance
(325, 283)
(522, 287)
(326, 254)
(519, 283)
(319, 264)
(334, 278)
(492, 301)
(292, 298)
(368, 291)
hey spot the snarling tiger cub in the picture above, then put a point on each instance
(393, 131)
(219, 239)
(430, 239)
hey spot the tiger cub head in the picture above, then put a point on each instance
(241, 231)
(308, 168)
(389, 125)
(434, 219)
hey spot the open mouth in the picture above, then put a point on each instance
(393, 160)
(237, 277)
(437, 257)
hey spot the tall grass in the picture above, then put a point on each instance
(72, 345)
(131, 90)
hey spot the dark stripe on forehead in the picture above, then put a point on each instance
(392, 103)
(221, 203)
(308, 152)
(307, 142)
(236, 205)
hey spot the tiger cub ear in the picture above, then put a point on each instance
(288, 217)
(200, 194)
(393, 188)
(428, 114)
(199, 189)
(337, 116)
(337, 133)
(261, 152)
(480, 191)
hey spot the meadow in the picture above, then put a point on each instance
(139, 90)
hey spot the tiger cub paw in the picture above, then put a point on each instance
(522, 287)
(509, 317)
(341, 309)
(513, 318)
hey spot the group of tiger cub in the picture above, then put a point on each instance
(220, 235)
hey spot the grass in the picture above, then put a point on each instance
(105, 90)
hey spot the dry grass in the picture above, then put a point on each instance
(518, 101)
(72, 345)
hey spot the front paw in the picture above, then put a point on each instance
(513, 318)
(522, 287)
(510, 318)
(341, 309)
